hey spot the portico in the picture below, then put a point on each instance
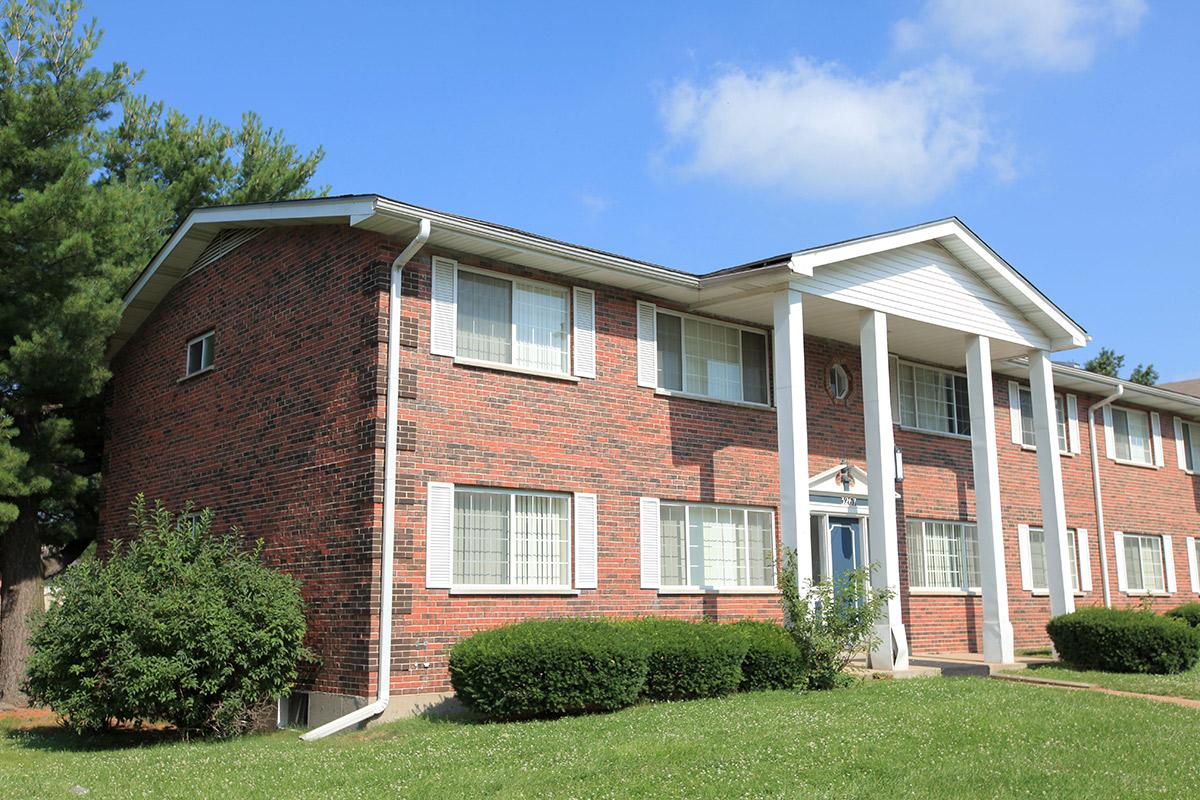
(932, 295)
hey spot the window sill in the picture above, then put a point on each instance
(944, 434)
(1033, 449)
(717, 400)
(1136, 593)
(196, 374)
(558, 376)
(945, 592)
(694, 590)
(509, 591)
(1127, 463)
(1046, 593)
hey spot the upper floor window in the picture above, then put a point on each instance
(513, 321)
(716, 546)
(1131, 435)
(838, 382)
(711, 359)
(943, 555)
(933, 399)
(200, 354)
(1188, 435)
(1028, 430)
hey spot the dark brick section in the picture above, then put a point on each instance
(285, 438)
(279, 438)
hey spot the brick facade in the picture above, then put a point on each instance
(284, 438)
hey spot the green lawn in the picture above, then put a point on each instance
(925, 738)
(1185, 684)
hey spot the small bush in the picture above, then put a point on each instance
(1119, 640)
(687, 660)
(772, 659)
(548, 668)
(1188, 612)
(177, 626)
(833, 622)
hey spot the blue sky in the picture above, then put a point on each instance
(1064, 132)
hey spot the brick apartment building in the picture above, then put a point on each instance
(576, 433)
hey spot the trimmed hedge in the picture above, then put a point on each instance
(687, 660)
(547, 668)
(1188, 612)
(1119, 640)
(772, 661)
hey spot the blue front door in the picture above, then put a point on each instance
(845, 545)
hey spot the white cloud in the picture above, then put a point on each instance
(1044, 34)
(594, 205)
(813, 130)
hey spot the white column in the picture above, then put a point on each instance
(792, 424)
(997, 629)
(1054, 515)
(892, 649)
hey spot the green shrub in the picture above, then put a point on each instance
(834, 622)
(772, 659)
(687, 660)
(176, 626)
(1121, 640)
(548, 668)
(1188, 612)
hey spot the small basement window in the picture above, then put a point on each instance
(200, 353)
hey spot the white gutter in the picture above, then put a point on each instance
(1096, 490)
(388, 546)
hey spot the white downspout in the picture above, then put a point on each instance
(388, 546)
(1096, 490)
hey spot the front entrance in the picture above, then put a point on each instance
(845, 545)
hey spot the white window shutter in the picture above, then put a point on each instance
(585, 541)
(1180, 445)
(584, 332)
(1193, 571)
(1156, 434)
(1014, 411)
(1169, 560)
(443, 305)
(1026, 559)
(647, 344)
(1073, 423)
(1110, 446)
(1119, 552)
(894, 380)
(1085, 559)
(651, 542)
(439, 535)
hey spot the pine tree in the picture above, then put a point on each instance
(82, 209)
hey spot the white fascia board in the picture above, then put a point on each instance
(252, 213)
(536, 245)
(1078, 379)
(1066, 334)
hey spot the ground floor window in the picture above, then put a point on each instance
(1144, 571)
(943, 555)
(1039, 564)
(510, 538)
(716, 546)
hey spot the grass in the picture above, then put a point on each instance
(1183, 684)
(924, 738)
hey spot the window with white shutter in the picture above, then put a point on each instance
(1141, 563)
(483, 538)
(1132, 439)
(706, 546)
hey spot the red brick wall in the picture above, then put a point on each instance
(285, 439)
(279, 437)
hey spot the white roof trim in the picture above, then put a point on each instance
(1061, 330)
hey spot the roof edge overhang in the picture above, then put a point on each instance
(1068, 377)
(1062, 332)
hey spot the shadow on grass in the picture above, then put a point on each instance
(54, 738)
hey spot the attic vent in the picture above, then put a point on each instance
(222, 244)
